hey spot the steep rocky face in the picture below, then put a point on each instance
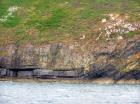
(55, 56)
(122, 63)
(124, 55)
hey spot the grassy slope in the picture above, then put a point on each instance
(45, 21)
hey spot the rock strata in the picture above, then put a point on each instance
(117, 60)
(41, 73)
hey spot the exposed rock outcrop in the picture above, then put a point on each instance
(41, 73)
(3, 72)
(114, 59)
(58, 73)
(110, 71)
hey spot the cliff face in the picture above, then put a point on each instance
(99, 36)
(123, 54)
(58, 55)
(114, 59)
(110, 46)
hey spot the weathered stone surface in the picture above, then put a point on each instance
(57, 73)
(26, 74)
(100, 72)
(99, 59)
(110, 71)
(3, 72)
(134, 74)
(132, 48)
(41, 73)
(11, 73)
(65, 55)
(70, 73)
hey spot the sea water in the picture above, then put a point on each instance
(62, 93)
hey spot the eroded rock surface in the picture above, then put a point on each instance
(114, 59)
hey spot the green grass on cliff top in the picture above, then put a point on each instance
(41, 21)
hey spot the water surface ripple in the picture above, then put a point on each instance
(58, 93)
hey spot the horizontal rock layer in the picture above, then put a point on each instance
(116, 59)
(40, 73)
(108, 72)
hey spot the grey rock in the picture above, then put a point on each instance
(11, 73)
(69, 74)
(3, 72)
(131, 48)
(54, 49)
(26, 74)
(98, 72)
(134, 74)
(69, 56)
(42, 73)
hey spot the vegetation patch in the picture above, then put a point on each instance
(132, 33)
(70, 18)
(11, 22)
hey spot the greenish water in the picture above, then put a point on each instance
(58, 93)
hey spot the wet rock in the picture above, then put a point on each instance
(11, 73)
(100, 72)
(42, 73)
(134, 74)
(118, 76)
(110, 71)
(70, 73)
(3, 72)
(25, 74)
